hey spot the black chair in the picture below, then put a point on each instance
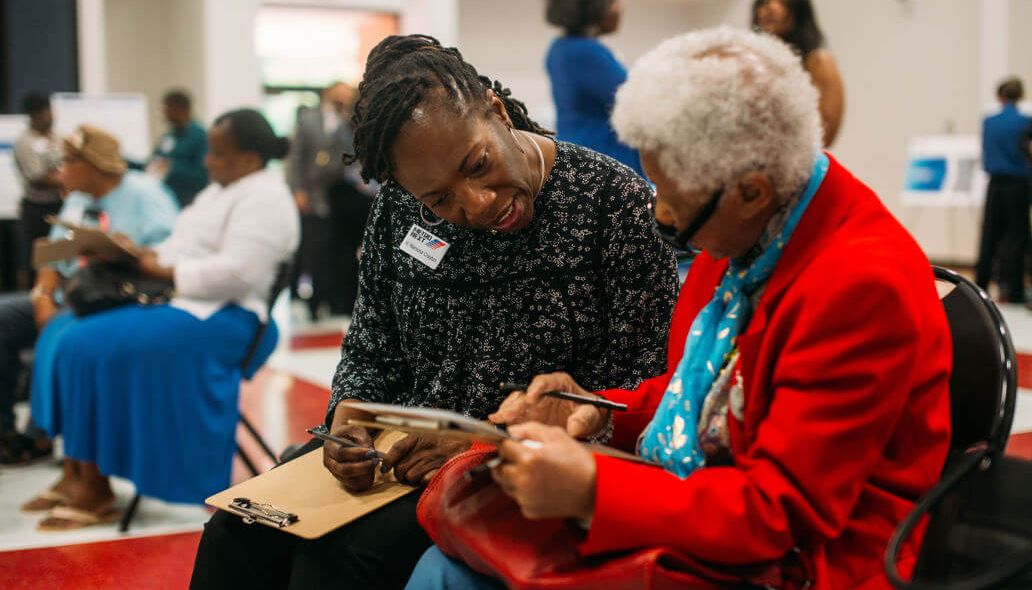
(280, 283)
(983, 395)
(984, 380)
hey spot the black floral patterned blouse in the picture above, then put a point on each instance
(585, 288)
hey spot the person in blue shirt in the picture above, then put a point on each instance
(585, 75)
(1005, 224)
(178, 158)
(102, 194)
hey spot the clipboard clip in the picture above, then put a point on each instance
(266, 514)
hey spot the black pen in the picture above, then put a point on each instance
(345, 443)
(600, 402)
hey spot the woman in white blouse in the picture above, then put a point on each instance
(149, 393)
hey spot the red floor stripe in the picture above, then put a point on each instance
(1024, 370)
(308, 341)
(143, 563)
(305, 405)
(1020, 445)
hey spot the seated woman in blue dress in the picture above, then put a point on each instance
(585, 75)
(149, 393)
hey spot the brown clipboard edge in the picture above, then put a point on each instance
(461, 434)
(134, 254)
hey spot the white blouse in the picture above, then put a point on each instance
(226, 246)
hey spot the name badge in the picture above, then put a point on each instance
(424, 246)
(168, 143)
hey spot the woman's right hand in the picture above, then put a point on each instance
(579, 420)
(353, 466)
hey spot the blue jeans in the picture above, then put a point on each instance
(437, 571)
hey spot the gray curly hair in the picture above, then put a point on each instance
(716, 103)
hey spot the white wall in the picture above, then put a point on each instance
(508, 40)
(152, 46)
(231, 75)
(1020, 43)
(911, 67)
(137, 51)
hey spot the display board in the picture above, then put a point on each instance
(11, 126)
(944, 171)
(122, 115)
(943, 192)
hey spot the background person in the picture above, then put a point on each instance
(551, 264)
(585, 75)
(102, 194)
(178, 158)
(333, 201)
(149, 393)
(37, 155)
(809, 405)
(795, 22)
(1005, 224)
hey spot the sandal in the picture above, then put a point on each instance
(44, 501)
(19, 449)
(66, 518)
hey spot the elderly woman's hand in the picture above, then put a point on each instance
(579, 420)
(555, 480)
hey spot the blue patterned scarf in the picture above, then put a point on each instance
(671, 439)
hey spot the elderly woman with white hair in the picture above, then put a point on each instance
(806, 405)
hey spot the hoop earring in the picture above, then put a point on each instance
(518, 145)
(428, 216)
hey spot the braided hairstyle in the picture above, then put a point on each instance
(403, 72)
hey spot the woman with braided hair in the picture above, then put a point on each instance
(492, 253)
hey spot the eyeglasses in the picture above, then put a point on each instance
(683, 240)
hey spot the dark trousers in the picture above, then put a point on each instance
(349, 210)
(1005, 235)
(10, 255)
(312, 259)
(378, 551)
(17, 332)
(33, 227)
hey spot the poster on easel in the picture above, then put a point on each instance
(944, 171)
(11, 127)
(123, 115)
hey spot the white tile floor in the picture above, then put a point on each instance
(1019, 320)
(153, 517)
(18, 530)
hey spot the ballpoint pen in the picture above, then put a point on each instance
(600, 402)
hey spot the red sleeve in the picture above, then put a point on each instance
(642, 402)
(840, 384)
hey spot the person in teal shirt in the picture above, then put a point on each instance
(178, 158)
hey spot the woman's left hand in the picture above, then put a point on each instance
(148, 265)
(555, 480)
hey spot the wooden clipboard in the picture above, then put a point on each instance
(305, 490)
(78, 240)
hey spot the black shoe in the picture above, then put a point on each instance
(19, 449)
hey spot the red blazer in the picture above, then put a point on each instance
(846, 418)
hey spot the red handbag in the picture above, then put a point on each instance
(473, 520)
